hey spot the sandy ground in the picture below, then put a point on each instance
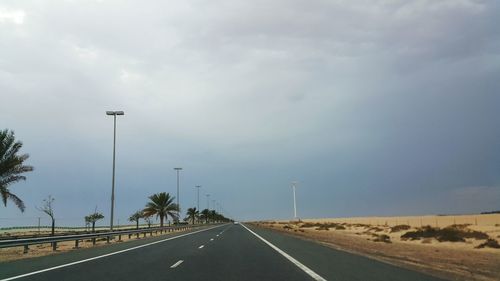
(16, 253)
(450, 260)
(417, 221)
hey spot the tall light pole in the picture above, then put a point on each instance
(198, 198)
(208, 201)
(213, 204)
(294, 183)
(178, 205)
(114, 114)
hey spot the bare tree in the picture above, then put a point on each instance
(47, 208)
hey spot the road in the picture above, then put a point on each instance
(225, 252)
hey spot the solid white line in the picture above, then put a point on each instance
(304, 268)
(176, 264)
(201, 247)
(105, 255)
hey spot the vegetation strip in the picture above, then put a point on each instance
(105, 255)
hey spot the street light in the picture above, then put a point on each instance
(208, 201)
(294, 183)
(114, 114)
(178, 205)
(198, 198)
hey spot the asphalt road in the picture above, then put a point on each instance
(226, 252)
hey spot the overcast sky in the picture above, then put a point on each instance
(374, 107)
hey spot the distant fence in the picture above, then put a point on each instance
(417, 221)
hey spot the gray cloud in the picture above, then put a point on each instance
(372, 104)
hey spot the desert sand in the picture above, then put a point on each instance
(378, 238)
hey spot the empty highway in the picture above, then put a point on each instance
(225, 252)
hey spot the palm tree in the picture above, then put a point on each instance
(135, 217)
(205, 214)
(162, 206)
(11, 167)
(192, 213)
(92, 218)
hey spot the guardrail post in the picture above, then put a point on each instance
(107, 239)
(137, 235)
(26, 248)
(93, 241)
(144, 234)
(76, 244)
(129, 236)
(151, 233)
(54, 246)
(119, 238)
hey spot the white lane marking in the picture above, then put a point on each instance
(217, 235)
(201, 247)
(105, 255)
(304, 268)
(176, 264)
(211, 239)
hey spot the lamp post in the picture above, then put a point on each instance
(178, 204)
(208, 201)
(294, 183)
(114, 114)
(198, 198)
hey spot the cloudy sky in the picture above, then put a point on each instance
(374, 107)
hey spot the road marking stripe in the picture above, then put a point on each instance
(211, 239)
(176, 264)
(304, 268)
(105, 255)
(217, 235)
(201, 246)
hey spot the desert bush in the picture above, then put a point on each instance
(308, 224)
(376, 229)
(449, 234)
(322, 227)
(490, 243)
(400, 227)
(339, 227)
(287, 227)
(382, 238)
(426, 241)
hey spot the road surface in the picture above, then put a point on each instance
(225, 252)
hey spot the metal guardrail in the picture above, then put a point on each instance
(26, 242)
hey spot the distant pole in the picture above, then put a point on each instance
(213, 204)
(198, 197)
(38, 225)
(178, 204)
(208, 201)
(114, 114)
(294, 183)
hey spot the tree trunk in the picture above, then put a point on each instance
(161, 221)
(93, 226)
(137, 224)
(53, 226)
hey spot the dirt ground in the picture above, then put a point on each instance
(16, 253)
(449, 260)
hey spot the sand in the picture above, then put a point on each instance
(451, 260)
